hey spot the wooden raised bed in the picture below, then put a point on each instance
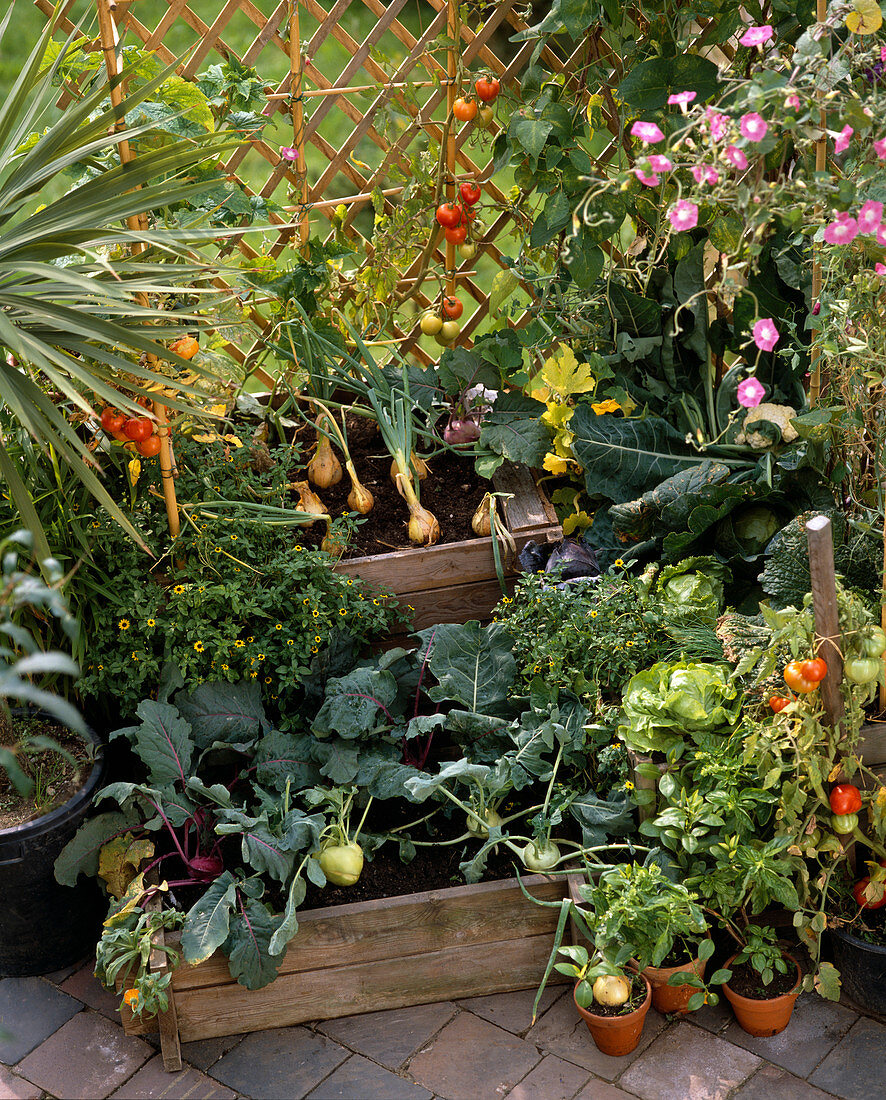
(456, 582)
(372, 955)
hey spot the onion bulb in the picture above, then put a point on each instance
(308, 501)
(324, 469)
(331, 544)
(611, 990)
(481, 521)
(424, 530)
(359, 498)
(418, 464)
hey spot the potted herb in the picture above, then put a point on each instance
(612, 1001)
(763, 983)
(45, 787)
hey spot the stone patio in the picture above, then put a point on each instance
(64, 1040)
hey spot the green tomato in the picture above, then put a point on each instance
(342, 863)
(873, 642)
(844, 823)
(540, 857)
(861, 670)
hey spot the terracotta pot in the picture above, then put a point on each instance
(672, 998)
(617, 1035)
(764, 1017)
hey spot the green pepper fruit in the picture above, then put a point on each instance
(844, 823)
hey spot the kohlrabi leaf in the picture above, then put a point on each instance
(474, 665)
(219, 711)
(208, 921)
(356, 704)
(163, 742)
(81, 854)
(248, 945)
(286, 756)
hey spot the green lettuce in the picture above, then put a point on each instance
(694, 588)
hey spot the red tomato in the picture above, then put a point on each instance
(860, 899)
(452, 307)
(145, 402)
(779, 702)
(149, 447)
(457, 235)
(449, 215)
(814, 670)
(468, 213)
(112, 420)
(845, 798)
(138, 428)
(464, 109)
(487, 88)
(796, 681)
(470, 193)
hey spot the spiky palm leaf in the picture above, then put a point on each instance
(73, 312)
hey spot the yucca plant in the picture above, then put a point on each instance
(79, 315)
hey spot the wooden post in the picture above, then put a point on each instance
(138, 223)
(883, 611)
(451, 96)
(296, 89)
(820, 165)
(827, 624)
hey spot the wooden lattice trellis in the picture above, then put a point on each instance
(304, 98)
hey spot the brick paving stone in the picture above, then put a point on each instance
(816, 1027)
(854, 1068)
(512, 1011)
(596, 1089)
(563, 1032)
(84, 985)
(775, 1083)
(153, 1082)
(360, 1079)
(472, 1058)
(552, 1079)
(686, 1063)
(284, 1062)
(87, 1059)
(13, 1087)
(392, 1036)
(204, 1053)
(30, 1011)
(713, 1018)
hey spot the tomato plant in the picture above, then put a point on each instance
(486, 117)
(470, 193)
(858, 893)
(138, 428)
(456, 235)
(452, 307)
(464, 109)
(448, 215)
(844, 823)
(873, 642)
(448, 333)
(815, 669)
(112, 420)
(430, 324)
(467, 250)
(779, 702)
(796, 681)
(845, 798)
(861, 670)
(487, 88)
(149, 447)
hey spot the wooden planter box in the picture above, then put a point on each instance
(457, 582)
(348, 959)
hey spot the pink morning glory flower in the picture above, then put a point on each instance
(681, 99)
(705, 173)
(756, 36)
(765, 334)
(883, 53)
(736, 157)
(881, 235)
(870, 216)
(647, 181)
(683, 215)
(717, 122)
(288, 153)
(647, 132)
(659, 163)
(753, 126)
(880, 149)
(841, 231)
(841, 143)
(750, 393)
(880, 269)
(793, 102)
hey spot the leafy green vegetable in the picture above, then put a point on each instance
(694, 588)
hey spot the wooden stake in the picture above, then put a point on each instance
(296, 82)
(883, 612)
(138, 223)
(451, 70)
(820, 165)
(819, 537)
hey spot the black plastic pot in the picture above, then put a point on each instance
(862, 967)
(45, 926)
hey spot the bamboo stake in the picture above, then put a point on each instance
(451, 72)
(819, 537)
(310, 93)
(138, 222)
(883, 611)
(820, 165)
(296, 84)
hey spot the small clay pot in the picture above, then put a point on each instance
(617, 1035)
(672, 998)
(764, 1017)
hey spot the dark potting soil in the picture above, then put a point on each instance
(55, 777)
(748, 983)
(452, 491)
(636, 999)
(386, 876)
